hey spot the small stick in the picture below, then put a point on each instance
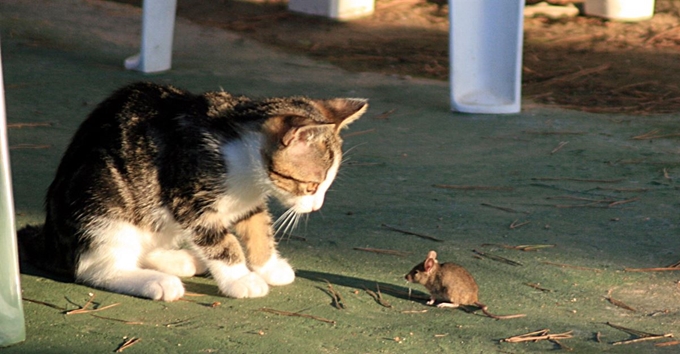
(28, 125)
(646, 135)
(583, 72)
(643, 336)
(338, 302)
(413, 311)
(577, 179)
(538, 335)
(127, 344)
(515, 225)
(598, 337)
(290, 237)
(662, 269)
(386, 114)
(427, 237)
(572, 266)
(642, 339)
(623, 189)
(525, 248)
(617, 302)
(44, 303)
(382, 251)
(674, 265)
(497, 258)
(562, 346)
(553, 133)
(83, 310)
(359, 133)
(118, 320)
(295, 314)
(378, 297)
(473, 188)
(29, 146)
(559, 147)
(509, 210)
(667, 344)
(538, 287)
(623, 202)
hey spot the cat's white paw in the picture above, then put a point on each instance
(164, 287)
(145, 283)
(237, 281)
(276, 271)
(250, 285)
(182, 263)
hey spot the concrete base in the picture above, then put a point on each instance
(336, 9)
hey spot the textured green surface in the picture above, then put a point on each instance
(62, 58)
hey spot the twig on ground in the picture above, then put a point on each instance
(526, 248)
(386, 114)
(296, 314)
(44, 303)
(617, 303)
(359, 133)
(572, 266)
(577, 179)
(338, 302)
(538, 287)
(642, 336)
(497, 258)
(473, 188)
(378, 297)
(27, 125)
(84, 308)
(509, 210)
(559, 147)
(515, 225)
(127, 344)
(427, 237)
(383, 251)
(538, 335)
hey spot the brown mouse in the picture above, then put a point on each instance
(450, 283)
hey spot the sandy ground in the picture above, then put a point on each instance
(599, 187)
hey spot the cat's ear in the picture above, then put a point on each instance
(305, 135)
(342, 111)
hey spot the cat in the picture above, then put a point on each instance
(158, 183)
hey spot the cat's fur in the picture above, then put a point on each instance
(159, 183)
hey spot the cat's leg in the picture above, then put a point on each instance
(182, 262)
(111, 263)
(257, 235)
(227, 264)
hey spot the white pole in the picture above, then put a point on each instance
(12, 328)
(485, 51)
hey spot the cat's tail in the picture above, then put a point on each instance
(33, 251)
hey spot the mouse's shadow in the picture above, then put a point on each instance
(378, 288)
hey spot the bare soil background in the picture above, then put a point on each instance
(582, 63)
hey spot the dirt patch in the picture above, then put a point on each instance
(582, 63)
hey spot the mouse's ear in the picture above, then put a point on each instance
(428, 264)
(432, 254)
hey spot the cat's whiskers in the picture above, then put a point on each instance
(286, 222)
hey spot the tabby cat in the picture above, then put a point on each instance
(159, 183)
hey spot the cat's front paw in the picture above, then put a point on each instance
(237, 280)
(276, 271)
(166, 288)
(250, 285)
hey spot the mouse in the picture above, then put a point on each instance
(449, 283)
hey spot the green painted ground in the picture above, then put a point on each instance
(605, 200)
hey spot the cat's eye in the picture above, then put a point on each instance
(311, 187)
